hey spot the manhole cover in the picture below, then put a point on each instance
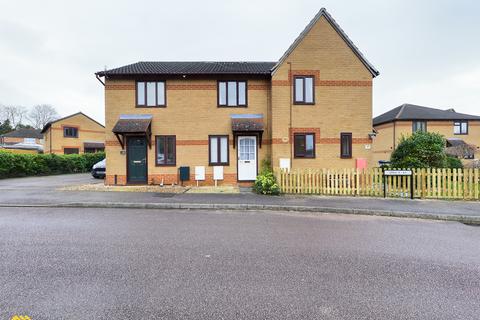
(164, 195)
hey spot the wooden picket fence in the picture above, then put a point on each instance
(431, 183)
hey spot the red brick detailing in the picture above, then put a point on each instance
(169, 178)
(318, 138)
(278, 141)
(191, 86)
(110, 180)
(192, 142)
(120, 87)
(315, 73)
(78, 128)
(258, 87)
(328, 141)
(228, 179)
(361, 140)
(305, 130)
(344, 83)
(280, 83)
(328, 83)
(184, 87)
(112, 143)
(166, 178)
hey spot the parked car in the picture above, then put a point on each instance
(98, 169)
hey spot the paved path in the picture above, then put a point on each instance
(43, 190)
(151, 264)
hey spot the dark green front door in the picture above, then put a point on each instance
(136, 160)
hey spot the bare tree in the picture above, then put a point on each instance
(41, 114)
(15, 114)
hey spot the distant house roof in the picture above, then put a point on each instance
(24, 133)
(49, 124)
(414, 112)
(190, 68)
(231, 68)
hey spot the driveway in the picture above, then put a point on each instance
(47, 182)
(47, 190)
(149, 264)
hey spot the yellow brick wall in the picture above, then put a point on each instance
(343, 100)
(88, 131)
(343, 94)
(383, 144)
(191, 115)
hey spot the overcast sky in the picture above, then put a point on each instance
(427, 52)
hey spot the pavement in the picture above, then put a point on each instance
(90, 263)
(35, 191)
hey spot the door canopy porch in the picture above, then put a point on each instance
(133, 124)
(251, 124)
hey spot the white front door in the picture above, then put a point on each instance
(247, 158)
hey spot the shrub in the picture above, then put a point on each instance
(420, 150)
(454, 162)
(266, 183)
(22, 165)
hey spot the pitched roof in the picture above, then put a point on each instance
(191, 68)
(24, 133)
(226, 68)
(323, 13)
(414, 112)
(49, 124)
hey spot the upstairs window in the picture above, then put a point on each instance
(345, 145)
(419, 126)
(70, 132)
(232, 93)
(151, 94)
(460, 127)
(218, 150)
(303, 89)
(304, 145)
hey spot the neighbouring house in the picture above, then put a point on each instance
(22, 135)
(459, 129)
(310, 109)
(22, 140)
(74, 134)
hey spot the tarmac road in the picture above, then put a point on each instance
(152, 264)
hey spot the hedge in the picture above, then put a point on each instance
(23, 165)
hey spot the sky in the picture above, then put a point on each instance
(427, 52)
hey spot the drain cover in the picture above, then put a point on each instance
(164, 195)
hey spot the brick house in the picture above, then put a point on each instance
(74, 134)
(310, 109)
(22, 135)
(457, 128)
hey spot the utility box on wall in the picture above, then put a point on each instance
(184, 173)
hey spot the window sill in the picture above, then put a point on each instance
(150, 107)
(219, 164)
(304, 103)
(165, 165)
(220, 106)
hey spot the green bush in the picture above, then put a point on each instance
(23, 165)
(422, 150)
(266, 183)
(454, 162)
